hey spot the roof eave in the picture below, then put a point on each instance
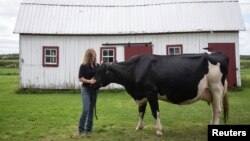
(139, 33)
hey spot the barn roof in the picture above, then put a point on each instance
(87, 17)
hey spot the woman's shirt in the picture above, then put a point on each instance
(87, 72)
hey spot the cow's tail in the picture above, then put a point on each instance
(225, 103)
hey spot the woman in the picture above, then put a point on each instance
(88, 91)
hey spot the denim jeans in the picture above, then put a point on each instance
(89, 96)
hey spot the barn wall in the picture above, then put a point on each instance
(72, 48)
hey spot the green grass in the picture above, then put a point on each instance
(9, 71)
(47, 116)
(245, 64)
(245, 76)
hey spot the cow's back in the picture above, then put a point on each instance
(178, 77)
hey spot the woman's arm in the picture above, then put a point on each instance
(89, 81)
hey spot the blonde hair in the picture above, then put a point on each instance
(88, 57)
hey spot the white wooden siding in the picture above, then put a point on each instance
(72, 49)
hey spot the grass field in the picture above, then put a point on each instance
(47, 117)
(8, 71)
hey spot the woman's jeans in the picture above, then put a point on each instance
(89, 96)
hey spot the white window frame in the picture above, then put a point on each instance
(54, 58)
(175, 47)
(108, 49)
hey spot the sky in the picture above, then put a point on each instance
(9, 42)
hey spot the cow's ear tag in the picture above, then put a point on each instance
(107, 72)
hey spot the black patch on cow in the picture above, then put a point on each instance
(181, 76)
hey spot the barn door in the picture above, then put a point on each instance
(131, 50)
(229, 49)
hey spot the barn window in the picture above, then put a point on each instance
(174, 49)
(108, 54)
(50, 56)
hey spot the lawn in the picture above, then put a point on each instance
(54, 116)
(8, 71)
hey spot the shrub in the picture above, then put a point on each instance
(9, 63)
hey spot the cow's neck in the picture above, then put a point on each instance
(120, 74)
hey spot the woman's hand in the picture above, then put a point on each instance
(92, 81)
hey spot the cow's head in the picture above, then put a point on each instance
(103, 75)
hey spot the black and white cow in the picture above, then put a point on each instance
(179, 79)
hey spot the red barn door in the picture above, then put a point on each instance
(131, 50)
(229, 49)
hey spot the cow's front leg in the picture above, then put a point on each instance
(158, 125)
(141, 111)
(153, 102)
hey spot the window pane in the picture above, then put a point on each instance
(171, 51)
(177, 50)
(47, 59)
(105, 53)
(53, 52)
(47, 52)
(105, 59)
(111, 52)
(111, 59)
(53, 60)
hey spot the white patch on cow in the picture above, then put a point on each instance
(209, 52)
(203, 91)
(211, 89)
(204, 87)
(140, 123)
(215, 86)
(158, 125)
(141, 102)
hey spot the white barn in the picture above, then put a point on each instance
(54, 34)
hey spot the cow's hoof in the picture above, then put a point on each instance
(139, 127)
(159, 133)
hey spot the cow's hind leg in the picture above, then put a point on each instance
(217, 94)
(141, 111)
(153, 102)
